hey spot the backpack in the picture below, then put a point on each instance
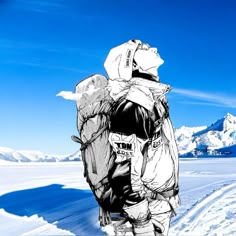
(93, 113)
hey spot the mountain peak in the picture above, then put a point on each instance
(229, 122)
(217, 139)
(229, 115)
(224, 124)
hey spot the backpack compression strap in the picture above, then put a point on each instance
(86, 144)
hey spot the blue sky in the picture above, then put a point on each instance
(49, 46)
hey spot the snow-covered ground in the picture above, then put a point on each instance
(54, 199)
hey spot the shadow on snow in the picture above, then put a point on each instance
(72, 209)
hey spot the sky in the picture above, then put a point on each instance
(48, 46)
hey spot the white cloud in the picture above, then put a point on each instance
(91, 91)
(68, 95)
(210, 99)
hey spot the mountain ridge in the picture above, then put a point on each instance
(9, 154)
(218, 139)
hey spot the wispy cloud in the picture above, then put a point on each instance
(41, 6)
(21, 46)
(9, 44)
(47, 66)
(46, 55)
(209, 99)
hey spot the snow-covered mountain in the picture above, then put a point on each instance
(8, 154)
(218, 139)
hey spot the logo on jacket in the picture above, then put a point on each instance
(128, 58)
(124, 149)
(156, 140)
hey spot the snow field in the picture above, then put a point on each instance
(54, 199)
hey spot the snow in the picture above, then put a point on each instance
(8, 154)
(217, 209)
(54, 199)
(206, 141)
(184, 138)
(46, 194)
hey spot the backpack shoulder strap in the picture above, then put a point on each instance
(145, 155)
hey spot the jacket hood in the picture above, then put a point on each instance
(119, 62)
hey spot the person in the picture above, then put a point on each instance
(145, 173)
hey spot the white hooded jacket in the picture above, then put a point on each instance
(162, 168)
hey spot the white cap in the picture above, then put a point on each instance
(119, 62)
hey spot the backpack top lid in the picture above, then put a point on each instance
(91, 89)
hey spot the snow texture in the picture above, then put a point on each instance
(54, 199)
(43, 194)
(218, 139)
(8, 154)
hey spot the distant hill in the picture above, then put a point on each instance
(8, 154)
